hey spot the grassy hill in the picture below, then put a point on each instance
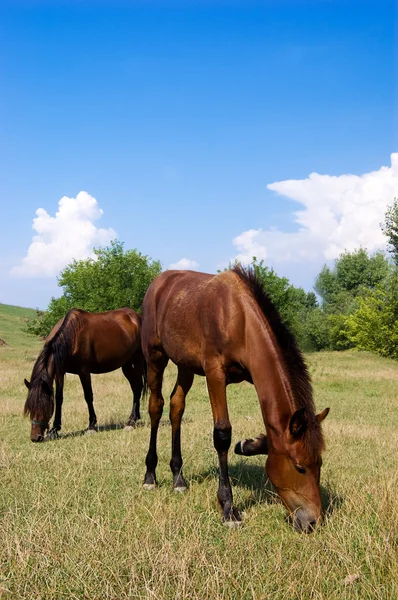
(12, 323)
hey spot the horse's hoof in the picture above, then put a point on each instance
(128, 427)
(149, 486)
(232, 524)
(239, 447)
(232, 519)
(180, 489)
(90, 431)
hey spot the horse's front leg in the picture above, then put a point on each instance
(85, 379)
(59, 397)
(222, 434)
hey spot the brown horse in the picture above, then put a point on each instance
(84, 343)
(225, 327)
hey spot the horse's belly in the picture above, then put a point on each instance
(192, 365)
(106, 365)
(97, 365)
(185, 355)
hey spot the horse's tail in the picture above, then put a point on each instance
(144, 379)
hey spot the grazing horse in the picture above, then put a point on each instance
(226, 328)
(84, 343)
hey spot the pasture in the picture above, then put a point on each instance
(76, 523)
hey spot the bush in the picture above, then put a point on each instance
(338, 334)
(115, 278)
(374, 325)
(316, 330)
(352, 273)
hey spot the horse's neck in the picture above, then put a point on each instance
(47, 368)
(51, 368)
(270, 376)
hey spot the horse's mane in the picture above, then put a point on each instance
(59, 346)
(293, 359)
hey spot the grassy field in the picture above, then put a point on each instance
(12, 322)
(76, 523)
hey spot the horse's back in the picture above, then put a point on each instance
(173, 294)
(104, 341)
(173, 299)
(54, 329)
(190, 315)
(112, 335)
(124, 318)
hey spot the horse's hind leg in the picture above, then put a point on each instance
(85, 379)
(155, 370)
(177, 407)
(134, 376)
(222, 434)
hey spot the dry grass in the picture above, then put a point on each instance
(75, 522)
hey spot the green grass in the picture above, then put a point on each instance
(12, 322)
(76, 523)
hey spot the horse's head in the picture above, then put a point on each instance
(39, 405)
(293, 466)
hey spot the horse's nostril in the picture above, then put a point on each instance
(304, 523)
(38, 438)
(311, 525)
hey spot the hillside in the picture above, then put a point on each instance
(12, 323)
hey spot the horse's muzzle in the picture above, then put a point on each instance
(304, 522)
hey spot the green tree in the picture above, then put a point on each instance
(352, 272)
(340, 288)
(326, 285)
(317, 328)
(114, 278)
(358, 269)
(338, 333)
(390, 229)
(374, 325)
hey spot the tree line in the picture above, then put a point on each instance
(355, 304)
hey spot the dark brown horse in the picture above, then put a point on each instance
(84, 343)
(226, 328)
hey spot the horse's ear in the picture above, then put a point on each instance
(298, 423)
(26, 382)
(322, 415)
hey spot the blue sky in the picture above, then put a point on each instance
(175, 116)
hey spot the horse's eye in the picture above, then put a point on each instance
(300, 469)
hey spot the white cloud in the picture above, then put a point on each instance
(248, 246)
(339, 213)
(69, 235)
(184, 263)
